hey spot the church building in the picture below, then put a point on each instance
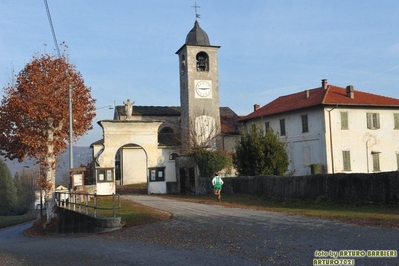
(144, 144)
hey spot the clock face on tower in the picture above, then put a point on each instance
(203, 88)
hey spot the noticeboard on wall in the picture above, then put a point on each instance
(156, 174)
(77, 180)
(105, 175)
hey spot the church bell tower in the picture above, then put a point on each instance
(199, 90)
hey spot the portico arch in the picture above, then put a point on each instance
(119, 133)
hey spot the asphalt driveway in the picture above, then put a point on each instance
(201, 234)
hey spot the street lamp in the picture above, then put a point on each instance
(107, 106)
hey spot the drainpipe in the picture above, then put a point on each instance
(331, 142)
(367, 155)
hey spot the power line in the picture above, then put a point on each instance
(52, 29)
(70, 92)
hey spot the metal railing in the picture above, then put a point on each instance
(84, 202)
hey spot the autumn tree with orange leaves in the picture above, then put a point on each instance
(34, 113)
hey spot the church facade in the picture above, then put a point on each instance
(145, 144)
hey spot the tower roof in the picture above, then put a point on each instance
(197, 36)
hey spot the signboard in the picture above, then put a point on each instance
(77, 180)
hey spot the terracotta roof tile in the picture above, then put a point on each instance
(228, 121)
(319, 96)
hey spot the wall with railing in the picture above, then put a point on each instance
(84, 212)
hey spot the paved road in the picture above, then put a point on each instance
(202, 234)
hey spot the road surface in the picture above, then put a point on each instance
(201, 234)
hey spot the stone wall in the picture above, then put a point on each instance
(69, 221)
(377, 188)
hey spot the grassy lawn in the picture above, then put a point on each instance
(363, 214)
(133, 214)
(6, 221)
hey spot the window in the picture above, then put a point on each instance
(105, 175)
(282, 127)
(202, 61)
(373, 120)
(344, 120)
(183, 64)
(173, 156)
(346, 159)
(168, 137)
(305, 127)
(157, 174)
(376, 161)
(267, 126)
(396, 121)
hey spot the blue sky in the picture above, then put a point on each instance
(126, 49)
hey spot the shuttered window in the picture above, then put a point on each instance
(376, 162)
(346, 159)
(282, 127)
(373, 120)
(305, 126)
(396, 121)
(267, 126)
(344, 120)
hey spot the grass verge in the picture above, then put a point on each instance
(132, 213)
(362, 214)
(6, 221)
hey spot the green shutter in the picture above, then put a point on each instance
(346, 158)
(344, 120)
(377, 120)
(267, 126)
(376, 162)
(305, 127)
(282, 127)
(396, 121)
(368, 120)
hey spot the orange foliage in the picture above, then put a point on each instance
(42, 92)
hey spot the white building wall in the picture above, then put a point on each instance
(303, 148)
(361, 142)
(320, 145)
(169, 164)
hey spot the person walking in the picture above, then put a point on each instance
(217, 183)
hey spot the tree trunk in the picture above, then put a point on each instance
(50, 171)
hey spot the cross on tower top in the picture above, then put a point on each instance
(196, 7)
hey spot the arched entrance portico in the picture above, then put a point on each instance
(124, 133)
(131, 164)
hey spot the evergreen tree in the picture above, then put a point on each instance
(24, 184)
(209, 162)
(260, 154)
(8, 193)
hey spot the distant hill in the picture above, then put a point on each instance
(81, 155)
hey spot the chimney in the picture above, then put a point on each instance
(350, 92)
(324, 84)
(307, 93)
(256, 107)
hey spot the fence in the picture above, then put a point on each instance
(377, 187)
(83, 203)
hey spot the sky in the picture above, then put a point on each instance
(125, 49)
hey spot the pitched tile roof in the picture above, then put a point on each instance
(228, 121)
(228, 118)
(150, 110)
(332, 95)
